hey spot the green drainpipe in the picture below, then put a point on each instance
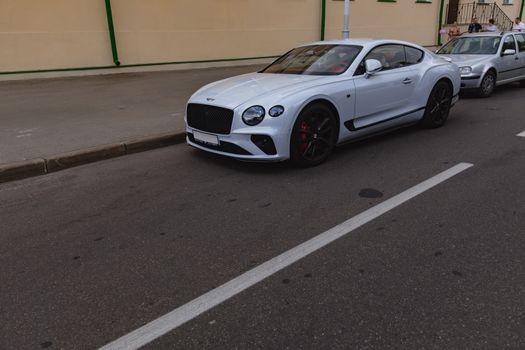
(323, 18)
(441, 8)
(522, 6)
(111, 29)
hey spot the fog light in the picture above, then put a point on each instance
(265, 144)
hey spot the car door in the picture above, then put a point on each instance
(509, 66)
(385, 95)
(520, 39)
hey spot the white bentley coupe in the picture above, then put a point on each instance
(319, 95)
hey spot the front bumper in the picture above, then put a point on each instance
(470, 81)
(241, 146)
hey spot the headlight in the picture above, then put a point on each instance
(253, 115)
(465, 70)
(276, 111)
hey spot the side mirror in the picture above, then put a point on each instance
(508, 52)
(372, 66)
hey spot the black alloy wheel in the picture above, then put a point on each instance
(438, 106)
(314, 136)
(488, 83)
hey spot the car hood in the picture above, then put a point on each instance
(232, 92)
(468, 60)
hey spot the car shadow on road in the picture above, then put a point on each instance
(242, 166)
(499, 90)
(388, 138)
(344, 152)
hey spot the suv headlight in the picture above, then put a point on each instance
(465, 70)
(253, 115)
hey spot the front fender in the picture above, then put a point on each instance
(488, 67)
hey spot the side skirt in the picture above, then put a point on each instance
(377, 133)
(350, 123)
(508, 81)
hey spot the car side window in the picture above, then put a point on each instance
(521, 42)
(413, 55)
(509, 44)
(390, 56)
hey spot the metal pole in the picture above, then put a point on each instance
(441, 6)
(323, 18)
(522, 6)
(346, 31)
(111, 30)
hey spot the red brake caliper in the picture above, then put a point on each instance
(303, 137)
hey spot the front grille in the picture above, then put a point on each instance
(209, 118)
(224, 146)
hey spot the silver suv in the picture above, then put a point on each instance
(488, 59)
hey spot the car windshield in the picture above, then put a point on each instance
(483, 45)
(315, 60)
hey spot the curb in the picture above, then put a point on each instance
(69, 160)
(147, 143)
(20, 170)
(41, 166)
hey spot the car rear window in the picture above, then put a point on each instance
(413, 55)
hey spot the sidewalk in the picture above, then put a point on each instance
(40, 118)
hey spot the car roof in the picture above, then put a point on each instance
(361, 42)
(471, 35)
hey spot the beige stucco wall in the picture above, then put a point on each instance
(186, 30)
(38, 34)
(404, 19)
(512, 11)
(73, 33)
(58, 34)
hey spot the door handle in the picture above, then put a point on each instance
(407, 81)
(516, 58)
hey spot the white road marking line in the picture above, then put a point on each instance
(205, 302)
(521, 134)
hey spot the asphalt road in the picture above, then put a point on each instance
(92, 253)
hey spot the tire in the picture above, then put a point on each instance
(313, 136)
(438, 106)
(488, 83)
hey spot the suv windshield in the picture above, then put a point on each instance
(315, 60)
(482, 45)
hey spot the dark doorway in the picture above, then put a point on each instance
(452, 14)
